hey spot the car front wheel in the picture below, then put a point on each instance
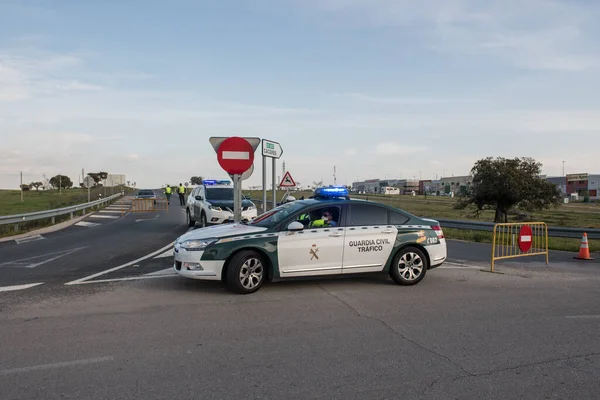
(409, 266)
(189, 220)
(246, 272)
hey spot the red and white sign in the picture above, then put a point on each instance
(525, 238)
(287, 180)
(235, 155)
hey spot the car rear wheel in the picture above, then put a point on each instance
(246, 272)
(188, 219)
(409, 266)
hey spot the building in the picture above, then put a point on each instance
(456, 184)
(577, 183)
(424, 187)
(115, 180)
(594, 186)
(559, 181)
(389, 190)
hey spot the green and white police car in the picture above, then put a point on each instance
(294, 240)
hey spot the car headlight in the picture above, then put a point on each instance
(196, 244)
(215, 208)
(251, 208)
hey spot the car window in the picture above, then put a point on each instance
(311, 218)
(277, 215)
(397, 218)
(219, 193)
(367, 214)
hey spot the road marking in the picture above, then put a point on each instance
(110, 211)
(82, 280)
(87, 224)
(163, 272)
(168, 253)
(29, 239)
(147, 219)
(132, 278)
(19, 287)
(104, 216)
(55, 365)
(583, 316)
(27, 262)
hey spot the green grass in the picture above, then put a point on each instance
(563, 244)
(10, 200)
(571, 215)
(10, 204)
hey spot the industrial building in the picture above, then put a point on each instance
(582, 184)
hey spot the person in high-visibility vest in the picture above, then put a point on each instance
(181, 191)
(326, 220)
(168, 193)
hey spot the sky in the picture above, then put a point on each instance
(376, 88)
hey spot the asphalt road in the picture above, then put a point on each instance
(111, 321)
(461, 333)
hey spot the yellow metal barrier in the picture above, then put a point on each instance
(512, 240)
(149, 205)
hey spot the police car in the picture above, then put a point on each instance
(212, 203)
(327, 234)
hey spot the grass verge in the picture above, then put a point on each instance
(563, 244)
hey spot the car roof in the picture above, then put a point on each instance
(331, 202)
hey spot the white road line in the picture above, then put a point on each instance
(55, 365)
(110, 211)
(162, 272)
(133, 278)
(19, 287)
(168, 253)
(103, 216)
(29, 263)
(29, 239)
(87, 224)
(583, 316)
(81, 280)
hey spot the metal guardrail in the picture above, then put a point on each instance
(553, 231)
(21, 218)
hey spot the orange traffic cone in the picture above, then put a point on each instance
(584, 250)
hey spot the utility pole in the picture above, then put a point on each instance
(21, 186)
(59, 183)
(564, 177)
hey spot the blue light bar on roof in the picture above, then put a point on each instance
(215, 182)
(331, 192)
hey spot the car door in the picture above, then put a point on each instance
(197, 204)
(312, 251)
(369, 238)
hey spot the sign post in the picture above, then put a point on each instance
(273, 150)
(236, 156)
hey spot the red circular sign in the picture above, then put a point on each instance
(235, 155)
(525, 238)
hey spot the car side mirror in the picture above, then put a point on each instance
(295, 226)
(198, 197)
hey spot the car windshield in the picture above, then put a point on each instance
(145, 193)
(277, 215)
(219, 193)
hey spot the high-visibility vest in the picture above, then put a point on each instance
(181, 189)
(318, 222)
(168, 190)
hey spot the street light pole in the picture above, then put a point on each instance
(564, 177)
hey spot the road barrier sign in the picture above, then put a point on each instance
(235, 155)
(525, 234)
(149, 205)
(287, 180)
(512, 240)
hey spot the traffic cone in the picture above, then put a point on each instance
(584, 250)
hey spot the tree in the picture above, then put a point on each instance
(25, 187)
(36, 185)
(61, 180)
(502, 184)
(196, 180)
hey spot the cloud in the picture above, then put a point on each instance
(397, 149)
(350, 152)
(533, 34)
(408, 100)
(76, 85)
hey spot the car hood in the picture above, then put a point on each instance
(229, 203)
(219, 231)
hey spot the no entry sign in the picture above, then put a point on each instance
(235, 155)
(525, 238)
